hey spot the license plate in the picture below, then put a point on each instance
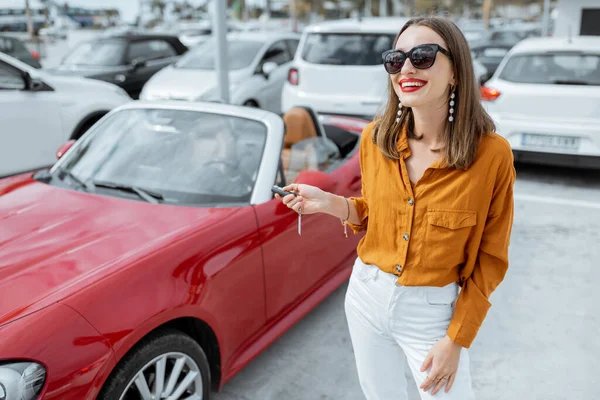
(550, 141)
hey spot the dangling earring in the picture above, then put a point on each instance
(399, 113)
(452, 96)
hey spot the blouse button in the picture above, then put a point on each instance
(405, 236)
(398, 268)
(410, 201)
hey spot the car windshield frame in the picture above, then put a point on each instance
(203, 57)
(138, 156)
(114, 62)
(367, 56)
(516, 73)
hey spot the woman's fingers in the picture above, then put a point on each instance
(294, 201)
(429, 381)
(440, 384)
(450, 382)
(288, 199)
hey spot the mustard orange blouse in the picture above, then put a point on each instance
(451, 226)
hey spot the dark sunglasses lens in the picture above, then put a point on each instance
(394, 62)
(423, 57)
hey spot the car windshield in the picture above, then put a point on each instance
(346, 49)
(553, 68)
(240, 54)
(188, 157)
(99, 53)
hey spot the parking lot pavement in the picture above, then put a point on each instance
(539, 340)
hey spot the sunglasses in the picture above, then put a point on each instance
(421, 57)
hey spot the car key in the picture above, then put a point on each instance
(279, 190)
(300, 221)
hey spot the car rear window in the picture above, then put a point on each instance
(553, 68)
(346, 49)
(240, 54)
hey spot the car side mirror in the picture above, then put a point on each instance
(137, 64)
(35, 85)
(64, 148)
(268, 68)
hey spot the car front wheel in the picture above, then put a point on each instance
(167, 365)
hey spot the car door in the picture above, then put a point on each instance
(297, 265)
(30, 123)
(145, 58)
(278, 53)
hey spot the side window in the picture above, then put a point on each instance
(10, 78)
(293, 46)
(147, 50)
(277, 53)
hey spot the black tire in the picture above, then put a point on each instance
(251, 103)
(161, 343)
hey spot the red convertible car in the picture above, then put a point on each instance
(152, 261)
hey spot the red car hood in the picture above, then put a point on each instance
(53, 238)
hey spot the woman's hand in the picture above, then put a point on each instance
(443, 359)
(309, 199)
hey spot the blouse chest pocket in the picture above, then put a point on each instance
(446, 237)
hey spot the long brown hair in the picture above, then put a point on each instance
(471, 121)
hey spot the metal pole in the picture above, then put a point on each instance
(546, 18)
(29, 23)
(487, 9)
(368, 8)
(219, 21)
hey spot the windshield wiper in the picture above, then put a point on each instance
(145, 194)
(75, 179)
(569, 82)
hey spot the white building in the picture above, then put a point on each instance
(577, 17)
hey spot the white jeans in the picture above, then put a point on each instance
(386, 320)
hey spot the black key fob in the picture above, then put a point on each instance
(280, 191)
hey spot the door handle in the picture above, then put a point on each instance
(355, 184)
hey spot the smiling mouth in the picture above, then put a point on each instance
(411, 86)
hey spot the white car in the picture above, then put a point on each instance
(39, 112)
(338, 67)
(545, 100)
(258, 65)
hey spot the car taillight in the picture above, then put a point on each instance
(293, 76)
(489, 94)
(35, 55)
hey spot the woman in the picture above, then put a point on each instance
(437, 207)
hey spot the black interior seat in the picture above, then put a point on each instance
(344, 140)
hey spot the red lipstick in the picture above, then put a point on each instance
(411, 85)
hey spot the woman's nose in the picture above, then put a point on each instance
(407, 68)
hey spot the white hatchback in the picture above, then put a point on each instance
(545, 100)
(338, 67)
(39, 112)
(258, 64)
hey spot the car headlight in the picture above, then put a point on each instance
(21, 380)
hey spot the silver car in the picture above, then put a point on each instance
(258, 66)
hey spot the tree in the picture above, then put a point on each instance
(159, 5)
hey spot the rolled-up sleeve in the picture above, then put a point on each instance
(361, 203)
(492, 260)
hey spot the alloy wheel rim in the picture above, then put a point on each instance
(169, 376)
